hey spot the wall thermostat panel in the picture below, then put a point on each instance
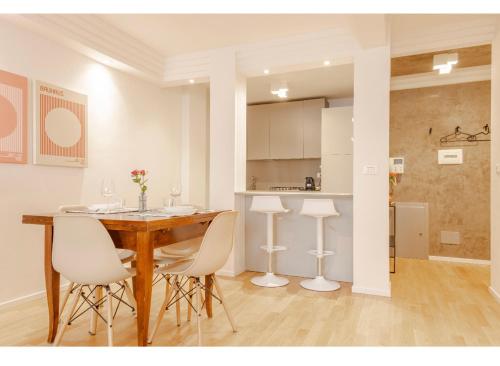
(450, 156)
(397, 165)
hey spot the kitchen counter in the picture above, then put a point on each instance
(298, 234)
(294, 193)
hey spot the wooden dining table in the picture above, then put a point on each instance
(129, 231)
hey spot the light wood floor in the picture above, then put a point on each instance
(433, 303)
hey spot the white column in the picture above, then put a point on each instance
(371, 172)
(495, 165)
(228, 146)
(194, 145)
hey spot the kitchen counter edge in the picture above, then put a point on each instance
(293, 193)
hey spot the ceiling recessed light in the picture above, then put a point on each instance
(280, 90)
(191, 81)
(266, 71)
(326, 63)
(444, 62)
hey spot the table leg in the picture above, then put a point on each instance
(209, 285)
(52, 286)
(143, 284)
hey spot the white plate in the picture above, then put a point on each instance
(180, 210)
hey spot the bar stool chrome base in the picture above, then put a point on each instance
(269, 280)
(321, 284)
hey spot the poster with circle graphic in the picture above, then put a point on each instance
(60, 136)
(13, 118)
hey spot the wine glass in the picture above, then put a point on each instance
(175, 191)
(107, 190)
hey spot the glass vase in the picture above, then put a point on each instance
(143, 203)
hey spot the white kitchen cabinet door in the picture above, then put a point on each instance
(336, 173)
(311, 120)
(258, 132)
(336, 131)
(286, 131)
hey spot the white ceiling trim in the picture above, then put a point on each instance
(281, 55)
(298, 52)
(99, 40)
(466, 34)
(428, 79)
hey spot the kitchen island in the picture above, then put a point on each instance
(298, 234)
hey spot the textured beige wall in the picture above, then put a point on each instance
(458, 195)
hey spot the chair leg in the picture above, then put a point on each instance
(177, 300)
(130, 296)
(97, 296)
(159, 318)
(66, 296)
(226, 309)
(199, 310)
(109, 298)
(190, 309)
(60, 333)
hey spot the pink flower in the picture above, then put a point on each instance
(142, 172)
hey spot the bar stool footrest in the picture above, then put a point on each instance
(275, 248)
(325, 253)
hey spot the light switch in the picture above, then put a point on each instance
(497, 168)
(370, 170)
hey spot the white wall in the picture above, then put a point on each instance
(495, 163)
(132, 124)
(371, 192)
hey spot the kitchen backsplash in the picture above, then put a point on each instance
(289, 172)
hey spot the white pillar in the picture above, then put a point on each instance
(228, 146)
(495, 164)
(194, 145)
(371, 172)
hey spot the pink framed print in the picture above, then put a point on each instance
(13, 118)
(60, 136)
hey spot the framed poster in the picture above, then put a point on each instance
(13, 118)
(60, 133)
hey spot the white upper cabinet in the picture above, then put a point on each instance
(311, 119)
(336, 134)
(286, 131)
(258, 132)
(290, 130)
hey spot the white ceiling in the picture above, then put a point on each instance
(173, 34)
(331, 82)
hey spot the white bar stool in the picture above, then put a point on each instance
(270, 205)
(319, 208)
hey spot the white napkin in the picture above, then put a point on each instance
(103, 206)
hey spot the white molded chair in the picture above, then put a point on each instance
(269, 205)
(174, 253)
(126, 256)
(212, 255)
(84, 253)
(319, 209)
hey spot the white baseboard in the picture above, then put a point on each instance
(372, 291)
(482, 262)
(26, 298)
(495, 294)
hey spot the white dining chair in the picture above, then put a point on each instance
(173, 253)
(212, 255)
(126, 256)
(84, 253)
